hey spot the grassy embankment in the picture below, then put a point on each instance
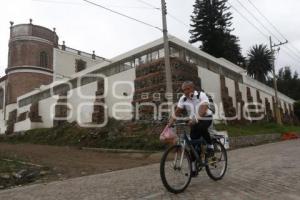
(121, 136)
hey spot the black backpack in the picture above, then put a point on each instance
(211, 105)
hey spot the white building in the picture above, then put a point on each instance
(52, 83)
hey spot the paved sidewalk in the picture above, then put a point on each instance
(270, 171)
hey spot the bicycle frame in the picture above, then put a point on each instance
(186, 142)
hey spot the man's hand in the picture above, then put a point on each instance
(202, 110)
(190, 122)
(173, 118)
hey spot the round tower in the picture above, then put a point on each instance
(30, 59)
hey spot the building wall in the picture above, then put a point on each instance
(207, 78)
(79, 96)
(22, 82)
(30, 59)
(47, 114)
(216, 78)
(64, 62)
(28, 53)
(124, 83)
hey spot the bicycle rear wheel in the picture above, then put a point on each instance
(175, 169)
(217, 165)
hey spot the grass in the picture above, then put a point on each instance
(256, 129)
(116, 135)
(113, 136)
(10, 166)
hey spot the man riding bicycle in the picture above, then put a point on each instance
(200, 116)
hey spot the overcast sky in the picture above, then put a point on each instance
(87, 27)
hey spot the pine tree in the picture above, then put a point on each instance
(211, 22)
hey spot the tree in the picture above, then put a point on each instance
(211, 22)
(288, 84)
(259, 62)
(297, 109)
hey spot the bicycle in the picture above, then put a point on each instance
(176, 161)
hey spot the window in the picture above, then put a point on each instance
(80, 65)
(143, 59)
(161, 53)
(174, 52)
(155, 55)
(43, 59)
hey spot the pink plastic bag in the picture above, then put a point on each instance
(168, 136)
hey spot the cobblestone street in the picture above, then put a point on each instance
(270, 171)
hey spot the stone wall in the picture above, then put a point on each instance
(227, 100)
(61, 110)
(98, 114)
(243, 141)
(239, 101)
(150, 83)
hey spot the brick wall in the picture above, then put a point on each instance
(28, 53)
(21, 83)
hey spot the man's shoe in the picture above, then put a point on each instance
(194, 174)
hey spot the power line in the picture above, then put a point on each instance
(275, 28)
(149, 4)
(258, 20)
(178, 20)
(267, 19)
(248, 21)
(291, 55)
(159, 9)
(257, 28)
(295, 55)
(116, 12)
(77, 3)
(60, 2)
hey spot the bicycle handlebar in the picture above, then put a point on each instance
(180, 124)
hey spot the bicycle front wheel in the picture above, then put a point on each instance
(217, 165)
(175, 169)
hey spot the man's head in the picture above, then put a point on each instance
(188, 88)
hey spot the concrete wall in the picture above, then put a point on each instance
(81, 101)
(47, 114)
(207, 78)
(64, 63)
(119, 84)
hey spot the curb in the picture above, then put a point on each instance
(234, 143)
(118, 150)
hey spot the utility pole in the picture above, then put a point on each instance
(276, 109)
(169, 87)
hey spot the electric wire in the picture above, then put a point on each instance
(243, 16)
(270, 32)
(159, 9)
(261, 32)
(274, 27)
(121, 14)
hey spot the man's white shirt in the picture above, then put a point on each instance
(192, 104)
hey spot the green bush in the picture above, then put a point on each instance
(111, 136)
(256, 128)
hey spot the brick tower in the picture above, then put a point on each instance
(30, 59)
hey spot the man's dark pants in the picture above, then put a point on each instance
(201, 129)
